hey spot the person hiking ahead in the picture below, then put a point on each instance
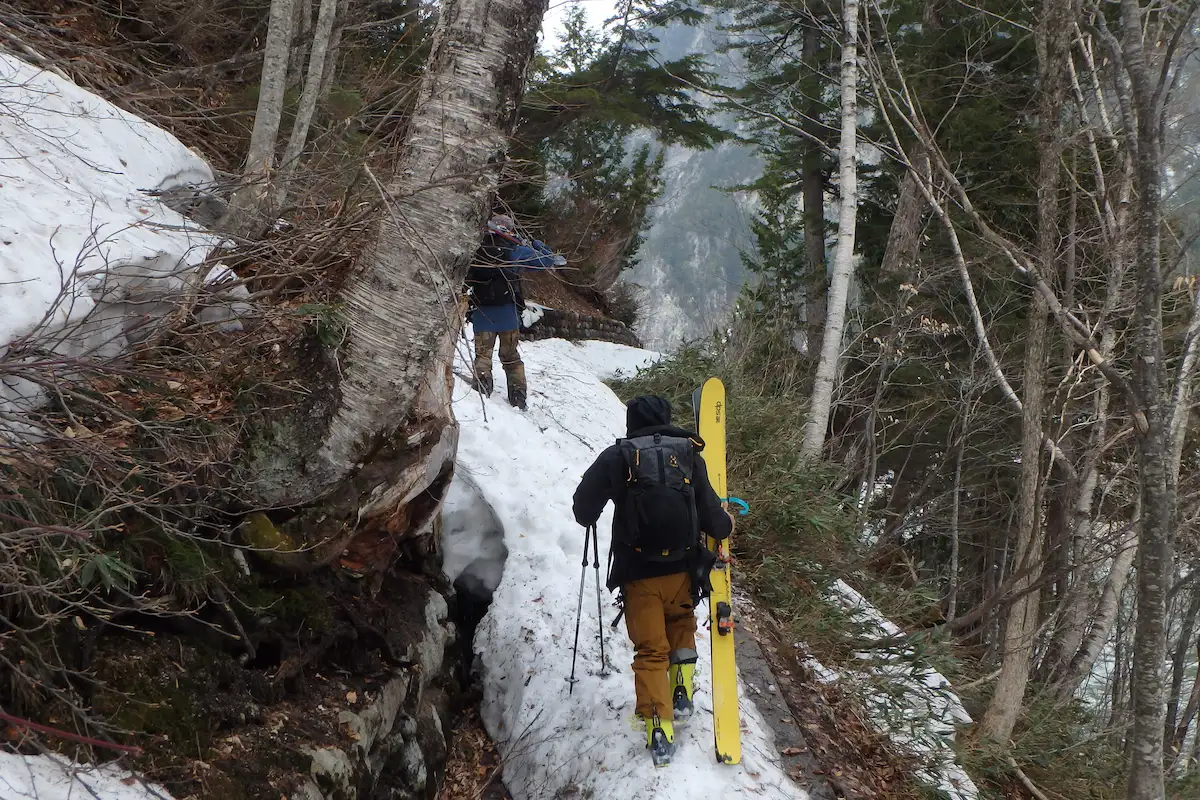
(663, 499)
(496, 302)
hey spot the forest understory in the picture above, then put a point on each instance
(960, 372)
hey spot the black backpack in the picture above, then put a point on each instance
(660, 507)
(494, 286)
(492, 282)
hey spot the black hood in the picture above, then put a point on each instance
(646, 411)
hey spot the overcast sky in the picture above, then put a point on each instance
(597, 12)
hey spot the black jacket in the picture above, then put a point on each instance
(606, 479)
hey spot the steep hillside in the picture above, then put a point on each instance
(512, 543)
(690, 263)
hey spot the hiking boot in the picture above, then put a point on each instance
(515, 372)
(660, 738)
(483, 385)
(680, 675)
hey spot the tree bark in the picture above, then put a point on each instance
(260, 158)
(843, 266)
(955, 536)
(1021, 626)
(308, 98)
(1179, 662)
(813, 198)
(331, 59)
(386, 410)
(301, 28)
(1179, 735)
(1154, 557)
(1021, 623)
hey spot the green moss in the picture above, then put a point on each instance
(273, 544)
(146, 692)
(293, 606)
(306, 604)
(261, 533)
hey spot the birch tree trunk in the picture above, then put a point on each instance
(843, 263)
(260, 158)
(308, 98)
(383, 412)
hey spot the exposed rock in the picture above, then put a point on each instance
(399, 742)
(574, 326)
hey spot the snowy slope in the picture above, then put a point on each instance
(86, 254)
(526, 466)
(908, 701)
(52, 778)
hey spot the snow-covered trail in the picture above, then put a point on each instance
(556, 744)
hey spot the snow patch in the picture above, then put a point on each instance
(472, 537)
(526, 466)
(908, 701)
(54, 778)
(88, 256)
(531, 314)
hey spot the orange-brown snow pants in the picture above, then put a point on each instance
(661, 620)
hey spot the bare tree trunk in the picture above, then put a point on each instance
(331, 59)
(1155, 557)
(1103, 619)
(387, 402)
(308, 99)
(1179, 662)
(1120, 689)
(1195, 759)
(955, 502)
(1179, 735)
(301, 28)
(813, 197)
(1021, 626)
(843, 265)
(260, 159)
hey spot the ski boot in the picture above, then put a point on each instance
(680, 674)
(660, 738)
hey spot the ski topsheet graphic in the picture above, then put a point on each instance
(708, 403)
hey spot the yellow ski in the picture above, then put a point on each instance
(708, 403)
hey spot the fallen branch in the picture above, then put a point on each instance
(71, 737)
(1028, 784)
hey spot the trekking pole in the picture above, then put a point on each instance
(579, 610)
(599, 610)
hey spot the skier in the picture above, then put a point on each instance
(663, 501)
(496, 302)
